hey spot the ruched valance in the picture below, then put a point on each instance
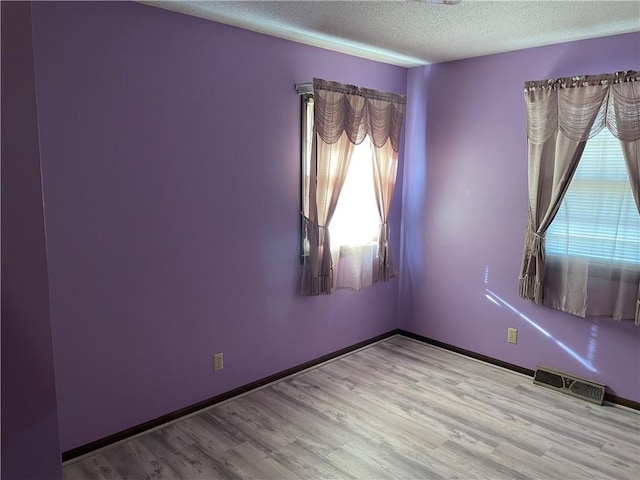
(357, 112)
(580, 107)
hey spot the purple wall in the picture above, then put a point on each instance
(30, 447)
(170, 149)
(464, 213)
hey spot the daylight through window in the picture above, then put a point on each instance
(598, 218)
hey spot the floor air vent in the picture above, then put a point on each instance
(563, 382)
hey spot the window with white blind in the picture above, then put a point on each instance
(598, 219)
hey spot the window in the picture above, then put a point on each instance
(598, 219)
(587, 262)
(349, 167)
(356, 221)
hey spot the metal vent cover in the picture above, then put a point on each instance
(563, 382)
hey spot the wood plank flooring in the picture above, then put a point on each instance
(397, 409)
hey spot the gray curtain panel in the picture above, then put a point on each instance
(624, 115)
(385, 167)
(344, 115)
(561, 116)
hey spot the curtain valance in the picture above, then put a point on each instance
(358, 112)
(580, 107)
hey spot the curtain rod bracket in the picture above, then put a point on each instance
(304, 88)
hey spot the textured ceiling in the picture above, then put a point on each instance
(410, 33)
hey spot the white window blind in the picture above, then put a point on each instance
(307, 137)
(598, 218)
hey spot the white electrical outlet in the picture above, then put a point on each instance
(512, 335)
(218, 362)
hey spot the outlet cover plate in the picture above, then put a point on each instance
(512, 335)
(218, 362)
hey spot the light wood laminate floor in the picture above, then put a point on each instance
(397, 409)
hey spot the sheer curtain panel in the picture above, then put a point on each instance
(344, 116)
(561, 117)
